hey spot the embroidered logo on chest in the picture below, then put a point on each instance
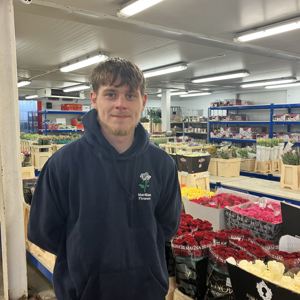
(144, 187)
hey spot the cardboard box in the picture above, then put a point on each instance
(259, 228)
(214, 215)
(248, 286)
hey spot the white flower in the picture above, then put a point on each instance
(145, 176)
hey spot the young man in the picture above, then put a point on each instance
(107, 203)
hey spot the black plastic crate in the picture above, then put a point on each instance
(193, 164)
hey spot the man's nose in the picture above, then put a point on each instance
(121, 101)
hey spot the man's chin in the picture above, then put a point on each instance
(120, 132)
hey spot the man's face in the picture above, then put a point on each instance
(119, 108)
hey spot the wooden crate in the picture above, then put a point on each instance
(40, 154)
(229, 167)
(26, 145)
(263, 167)
(156, 127)
(199, 180)
(27, 172)
(213, 167)
(56, 147)
(146, 125)
(248, 164)
(275, 166)
(290, 177)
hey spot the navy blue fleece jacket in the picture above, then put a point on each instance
(107, 217)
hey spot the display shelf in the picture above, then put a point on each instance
(241, 122)
(271, 124)
(62, 130)
(44, 113)
(232, 140)
(271, 177)
(286, 122)
(241, 107)
(62, 112)
(288, 105)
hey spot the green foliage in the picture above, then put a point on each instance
(144, 120)
(243, 153)
(291, 158)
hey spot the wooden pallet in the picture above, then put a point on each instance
(47, 259)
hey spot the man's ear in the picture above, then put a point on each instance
(145, 99)
(93, 97)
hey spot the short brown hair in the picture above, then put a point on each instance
(118, 70)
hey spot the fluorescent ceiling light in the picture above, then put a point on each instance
(75, 88)
(84, 63)
(31, 97)
(222, 76)
(174, 94)
(23, 83)
(268, 82)
(268, 31)
(165, 70)
(195, 94)
(134, 7)
(282, 85)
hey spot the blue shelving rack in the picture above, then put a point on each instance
(46, 112)
(270, 123)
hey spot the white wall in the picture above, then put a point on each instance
(293, 95)
(290, 95)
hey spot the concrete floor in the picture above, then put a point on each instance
(39, 287)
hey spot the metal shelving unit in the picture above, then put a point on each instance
(270, 123)
(46, 112)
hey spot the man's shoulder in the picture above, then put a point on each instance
(160, 154)
(67, 152)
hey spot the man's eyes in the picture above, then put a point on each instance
(110, 95)
(113, 95)
(131, 96)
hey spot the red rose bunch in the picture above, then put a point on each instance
(237, 233)
(265, 244)
(250, 247)
(186, 245)
(221, 200)
(188, 224)
(204, 238)
(219, 254)
(289, 259)
(271, 213)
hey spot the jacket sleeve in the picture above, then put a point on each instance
(169, 208)
(47, 218)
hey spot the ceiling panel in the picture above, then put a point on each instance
(199, 32)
